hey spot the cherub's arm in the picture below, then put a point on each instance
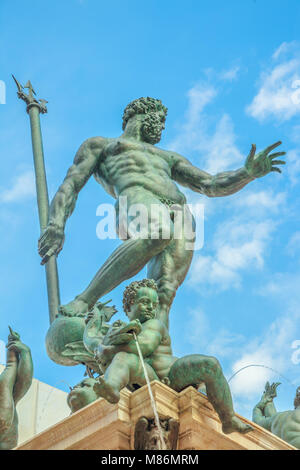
(228, 182)
(149, 339)
(64, 201)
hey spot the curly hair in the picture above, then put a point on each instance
(142, 106)
(131, 291)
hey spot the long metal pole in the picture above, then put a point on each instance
(34, 108)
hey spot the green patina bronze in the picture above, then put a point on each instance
(65, 337)
(15, 381)
(285, 424)
(133, 167)
(117, 356)
(82, 394)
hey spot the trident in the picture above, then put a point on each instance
(34, 108)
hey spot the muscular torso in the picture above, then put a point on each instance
(286, 425)
(126, 163)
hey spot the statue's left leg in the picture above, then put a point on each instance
(196, 368)
(170, 267)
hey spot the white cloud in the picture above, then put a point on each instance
(237, 247)
(23, 187)
(221, 343)
(217, 148)
(198, 329)
(284, 48)
(272, 349)
(295, 134)
(225, 344)
(293, 156)
(293, 245)
(208, 270)
(191, 130)
(285, 286)
(261, 202)
(278, 95)
(251, 380)
(198, 96)
(230, 74)
(220, 151)
(293, 165)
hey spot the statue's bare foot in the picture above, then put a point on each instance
(105, 390)
(236, 425)
(76, 308)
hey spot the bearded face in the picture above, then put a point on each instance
(153, 125)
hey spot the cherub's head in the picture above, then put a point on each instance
(152, 114)
(140, 300)
(82, 394)
(297, 398)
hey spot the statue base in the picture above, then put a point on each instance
(103, 426)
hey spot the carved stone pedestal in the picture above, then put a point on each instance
(102, 426)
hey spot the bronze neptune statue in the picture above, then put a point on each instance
(132, 168)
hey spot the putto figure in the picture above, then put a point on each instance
(131, 166)
(117, 356)
(285, 424)
(15, 381)
(82, 394)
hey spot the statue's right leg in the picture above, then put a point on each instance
(129, 258)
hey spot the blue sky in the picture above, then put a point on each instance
(226, 72)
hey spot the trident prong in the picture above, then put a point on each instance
(29, 98)
(20, 88)
(30, 88)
